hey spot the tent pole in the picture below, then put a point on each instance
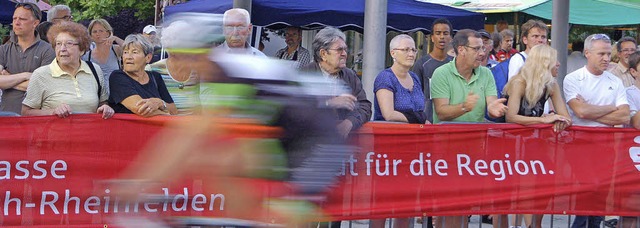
(560, 35)
(374, 50)
(516, 25)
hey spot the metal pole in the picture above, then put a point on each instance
(375, 30)
(560, 35)
(245, 4)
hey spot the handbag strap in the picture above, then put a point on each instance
(95, 75)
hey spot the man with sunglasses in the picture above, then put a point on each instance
(237, 29)
(24, 53)
(595, 97)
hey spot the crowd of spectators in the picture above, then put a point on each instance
(59, 67)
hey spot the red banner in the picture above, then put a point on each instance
(54, 171)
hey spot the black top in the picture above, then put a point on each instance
(123, 86)
(536, 111)
(538, 108)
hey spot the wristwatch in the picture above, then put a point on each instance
(464, 109)
(164, 105)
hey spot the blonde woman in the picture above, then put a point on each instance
(527, 93)
(532, 87)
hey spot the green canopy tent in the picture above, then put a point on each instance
(594, 12)
(582, 12)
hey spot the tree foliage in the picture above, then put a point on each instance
(92, 9)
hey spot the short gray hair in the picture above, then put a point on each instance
(324, 39)
(244, 13)
(54, 10)
(588, 42)
(396, 40)
(137, 39)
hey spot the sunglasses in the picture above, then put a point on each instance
(600, 36)
(36, 12)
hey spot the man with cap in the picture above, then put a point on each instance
(21, 55)
(487, 42)
(150, 32)
(237, 29)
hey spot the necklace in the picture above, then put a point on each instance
(181, 84)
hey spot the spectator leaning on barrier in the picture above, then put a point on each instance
(529, 90)
(330, 56)
(398, 95)
(237, 29)
(59, 13)
(294, 50)
(134, 90)
(67, 85)
(24, 53)
(462, 90)
(595, 96)
(441, 31)
(534, 32)
(625, 46)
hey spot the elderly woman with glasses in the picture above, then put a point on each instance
(398, 92)
(67, 85)
(330, 57)
(134, 90)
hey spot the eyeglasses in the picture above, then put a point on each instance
(231, 28)
(340, 49)
(36, 12)
(628, 50)
(600, 36)
(407, 49)
(477, 49)
(66, 44)
(66, 18)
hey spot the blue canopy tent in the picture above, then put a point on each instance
(402, 16)
(6, 11)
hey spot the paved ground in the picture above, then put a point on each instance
(556, 221)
